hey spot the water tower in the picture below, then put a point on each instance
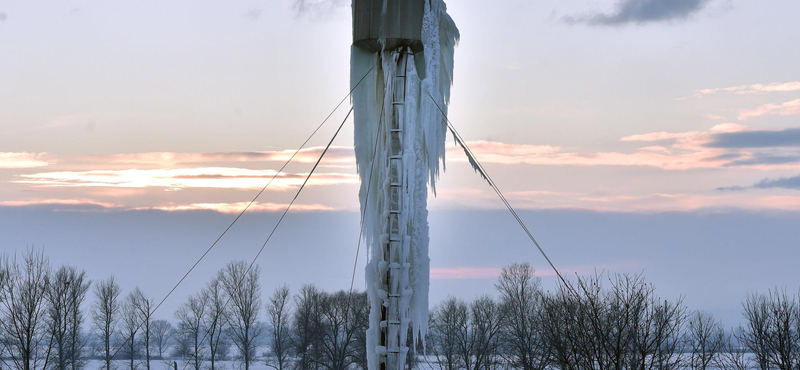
(399, 142)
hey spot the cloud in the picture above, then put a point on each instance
(731, 188)
(252, 14)
(676, 151)
(212, 181)
(726, 156)
(666, 150)
(792, 183)
(756, 139)
(643, 11)
(57, 202)
(784, 182)
(722, 199)
(686, 150)
(181, 178)
(336, 155)
(752, 89)
(90, 204)
(239, 206)
(23, 160)
(451, 273)
(318, 9)
(784, 109)
(765, 159)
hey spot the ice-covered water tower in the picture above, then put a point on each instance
(400, 105)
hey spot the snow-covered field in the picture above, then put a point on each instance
(168, 365)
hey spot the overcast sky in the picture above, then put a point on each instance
(648, 136)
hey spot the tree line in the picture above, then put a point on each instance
(615, 322)
(45, 324)
(598, 322)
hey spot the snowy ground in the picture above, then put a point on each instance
(168, 365)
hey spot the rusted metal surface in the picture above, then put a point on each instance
(403, 24)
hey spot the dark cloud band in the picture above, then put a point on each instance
(757, 139)
(784, 183)
(642, 11)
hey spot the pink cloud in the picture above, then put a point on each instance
(752, 89)
(701, 92)
(181, 178)
(217, 207)
(23, 160)
(687, 151)
(62, 202)
(336, 155)
(618, 202)
(776, 87)
(785, 109)
(452, 273)
(144, 188)
(239, 206)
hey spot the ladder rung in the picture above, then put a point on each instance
(396, 157)
(394, 212)
(397, 103)
(394, 296)
(400, 76)
(396, 130)
(395, 185)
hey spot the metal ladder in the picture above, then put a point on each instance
(391, 317)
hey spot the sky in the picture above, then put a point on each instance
(634, 136)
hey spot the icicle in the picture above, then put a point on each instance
(424, 134)
(470, 158)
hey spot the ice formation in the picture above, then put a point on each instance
(399, 143)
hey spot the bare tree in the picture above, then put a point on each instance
(486, 317)
(623, 327)
(772, 329)
(755, 335)
(23, 310)
(65, 294)
(105, 315)
(706, 339)
(162, 333)
(465, 340)
(307, 326)
(447, 320)
(214, 317)
(660, 331)
(732, 356)
(244, 291)
(58, 299)
(339, 325)
(78, 287)
(279, 314)
(4, 279)
(144, 309)
(783, 340)
(130, 326)
(562, 322)
(521, 299)
(190, 329)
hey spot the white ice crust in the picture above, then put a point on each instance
(424, 142)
